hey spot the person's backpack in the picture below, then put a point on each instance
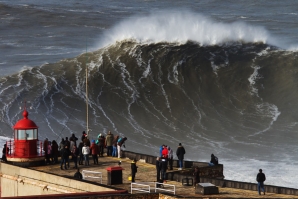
(216, 160)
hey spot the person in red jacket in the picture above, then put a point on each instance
(94, 152)
(165, 152)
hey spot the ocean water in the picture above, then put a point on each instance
(217, 76)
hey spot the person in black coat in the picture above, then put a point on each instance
(180, 154)
(65, 157)
(4, 153)
(78, 175)
(260, 179)
(134, 170)
(164, 166)
(158, 169)
(196, 176)
(213, 161)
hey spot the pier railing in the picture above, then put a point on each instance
(92, 174)
(158, 187)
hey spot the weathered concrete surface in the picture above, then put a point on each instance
(147, 173)
(18, 181)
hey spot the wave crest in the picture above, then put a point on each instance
(181, 27)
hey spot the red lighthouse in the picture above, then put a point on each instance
(25, 149)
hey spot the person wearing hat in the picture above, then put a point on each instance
(134, 169)
(260, 179)
(94, 152)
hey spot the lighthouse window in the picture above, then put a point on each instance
(21, 135)
(30, 134)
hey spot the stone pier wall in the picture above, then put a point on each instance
(18, 181)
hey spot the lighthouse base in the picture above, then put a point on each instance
(26, 162)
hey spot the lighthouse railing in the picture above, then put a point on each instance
(12, 148)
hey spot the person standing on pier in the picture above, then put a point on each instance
(134, 169)
(170, 158)
(45, 149)
(86, 152)
(180, 154)
(164, 166)
(260, 179)
(101, 144)
(94, 152)
(65, 157)
(75, 153)
(109, 143)
(158, 170)
(196, 176)
(115, 153)
(55, 151)
(4, 153)
(81, 156)
(120, 143)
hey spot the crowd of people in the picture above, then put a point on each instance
(165, 161)
(80, 151)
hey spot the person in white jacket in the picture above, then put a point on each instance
(86, 152)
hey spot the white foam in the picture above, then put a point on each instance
(181, 26)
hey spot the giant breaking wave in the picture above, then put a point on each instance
(226, 99)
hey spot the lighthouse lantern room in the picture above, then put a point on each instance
(25, 149)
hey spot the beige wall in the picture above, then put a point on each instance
(17, 181)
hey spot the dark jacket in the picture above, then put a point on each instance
(75, 152)
(261, 177)
(134, 168)
(196, 176)
(55, 148)
(101, 140)
(214, 159)
(164, 164)
(78, 175)
(180, 152)
(158, 165)
(65, 153)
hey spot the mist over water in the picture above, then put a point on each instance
(217, 81)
